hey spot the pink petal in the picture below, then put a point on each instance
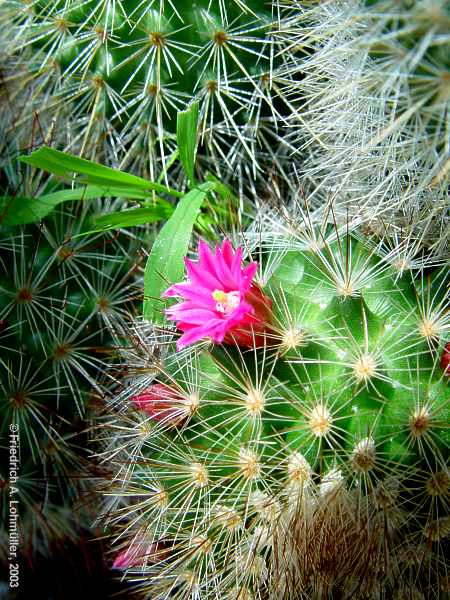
(189, 305)
(197, 333)
(201, 277)
(194, 316)
(249, 272)
(216, 266)
(171, 291)
(228, 282)
(227, 253)
(206, 258)
(190, 292)
(224, 258)
(236, 264)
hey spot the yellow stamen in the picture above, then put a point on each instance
(226, 302)
(219, 296)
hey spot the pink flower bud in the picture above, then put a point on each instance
(445, 360)
(163, 403)
(127, 559)
(139, 555)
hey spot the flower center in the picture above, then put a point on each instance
(226, 302)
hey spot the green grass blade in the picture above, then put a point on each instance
(65, 165)
(20, 210)
(132, 217)
(187, 121)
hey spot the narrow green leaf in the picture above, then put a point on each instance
(135, 216)
(187, 121)
(64, 165)
(20, 210)
(165, 264)
(221, 189)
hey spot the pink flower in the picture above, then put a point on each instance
(220, 300)
(163, 403)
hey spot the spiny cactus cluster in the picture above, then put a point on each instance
(58, 293)
(105, 78)
(293, 442)
(373, 127)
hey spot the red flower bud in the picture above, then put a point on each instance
(445, 360)
(163, 403)
(127, 559)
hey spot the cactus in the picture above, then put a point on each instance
(288, 437)
(373, 128)
(58, 294)
(106, 79)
